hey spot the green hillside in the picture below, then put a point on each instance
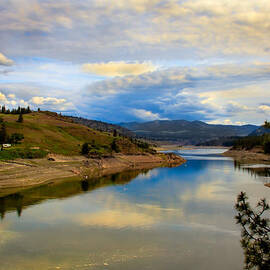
(47, 132)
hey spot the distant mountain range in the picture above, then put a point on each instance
(186, 132)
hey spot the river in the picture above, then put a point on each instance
(165, 218)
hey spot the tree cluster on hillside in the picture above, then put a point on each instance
(14, 138)
(222, 141)
(250, 142)
(19, 110)
(255, 232)
(118, 144)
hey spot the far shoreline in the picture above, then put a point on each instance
(168, 147)
(244, 156)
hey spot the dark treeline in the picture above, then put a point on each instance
(222, 141)
(250, 142)
(13, 138)
(19, 110)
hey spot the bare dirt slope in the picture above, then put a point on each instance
(22, 173)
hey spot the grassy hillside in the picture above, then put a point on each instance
(53, 133)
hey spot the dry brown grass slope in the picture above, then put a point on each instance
(54, 133)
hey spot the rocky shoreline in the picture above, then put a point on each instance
(244, 156)
(249, 157)
(26, 173)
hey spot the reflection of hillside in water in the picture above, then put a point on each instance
(21, 200)
(261, 171)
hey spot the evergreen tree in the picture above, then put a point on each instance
(3, 133)
(16, 138)
(114, 133)
(20, 119)
(255, 232)
(85, 149)
(3, 109)
(115, 147)
(28, 110)
(266, 147)
(266, 124)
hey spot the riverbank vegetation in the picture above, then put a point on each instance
(250, 142)
(261, 142)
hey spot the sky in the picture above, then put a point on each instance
(138, 60)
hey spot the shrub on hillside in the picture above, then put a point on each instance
(15, 138)
(25, 153)
(20, 119)
(85, 149)
(115, 146)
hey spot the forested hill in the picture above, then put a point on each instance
(186, 132)
(102, 126)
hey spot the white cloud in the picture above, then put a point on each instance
(13, 102)
(227, 122)
(119, 68)
(5, 61)
(234, 107)
(51, 103)
(265, 109)
(23, 103)
(147, 115)
(207, 93)
(11, 96)
(133, 29)
(2, 97)
(47, 100)
(204, 92)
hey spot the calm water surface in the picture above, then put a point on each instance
(165, 218)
